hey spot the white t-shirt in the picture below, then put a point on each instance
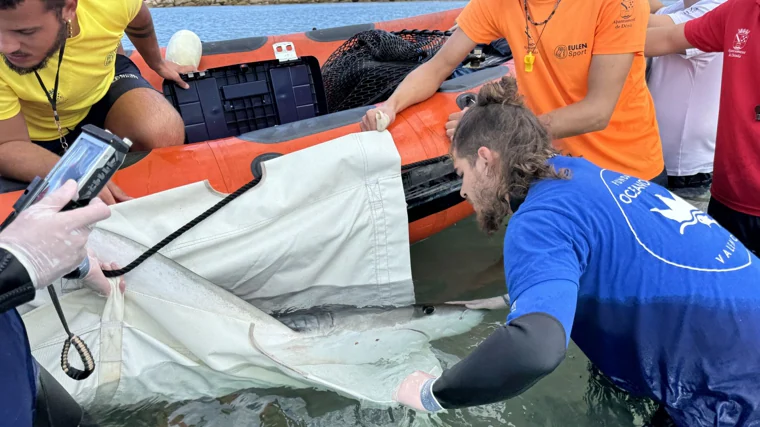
(686, 93)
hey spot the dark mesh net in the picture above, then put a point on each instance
(369, 66)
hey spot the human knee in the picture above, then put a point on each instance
(171, 130)
(165, 129)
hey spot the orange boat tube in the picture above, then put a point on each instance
(431, 186)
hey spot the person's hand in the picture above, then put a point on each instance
(378, 118)
(50, 243)
(495, 303)
(112, 194)
(454, 119)
(171, 71)
(96, 280)
(416, 392)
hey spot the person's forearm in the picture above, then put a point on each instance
(574, 119)
(666, 40)
(511, 360)
(655, 5)
(143, 36)
(660, 21)
(419, 85)
(23, 160)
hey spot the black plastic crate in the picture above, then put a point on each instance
(229, 101)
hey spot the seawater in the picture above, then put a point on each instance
(458, 263)
(214, 23)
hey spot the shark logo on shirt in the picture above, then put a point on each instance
(683, 212)
(653, 214)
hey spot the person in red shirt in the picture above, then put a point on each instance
(734, 29)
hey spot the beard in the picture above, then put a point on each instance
(490, 209)
(60, 39)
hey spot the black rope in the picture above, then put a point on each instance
(160, 245)
(147, 254)
(422, 32)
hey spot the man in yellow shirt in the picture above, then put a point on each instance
(62, 68)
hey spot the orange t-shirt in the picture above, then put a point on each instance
(579, 29)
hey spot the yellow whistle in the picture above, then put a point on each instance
(529, 58)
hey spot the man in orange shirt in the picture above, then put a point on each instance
(580, 66)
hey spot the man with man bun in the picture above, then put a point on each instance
(660, 297)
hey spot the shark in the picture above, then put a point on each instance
(434, 321)
(173, 335)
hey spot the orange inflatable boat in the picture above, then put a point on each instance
(261, 97)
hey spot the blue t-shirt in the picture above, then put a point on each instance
(17, 374)
(659, 296)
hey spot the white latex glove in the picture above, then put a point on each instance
(495, 303)
(96, 280)
(50, 243)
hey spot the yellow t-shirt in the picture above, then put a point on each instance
(87, 71)
(631, 143)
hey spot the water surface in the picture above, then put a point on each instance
(214, 23)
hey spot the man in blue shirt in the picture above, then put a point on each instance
(661, 298)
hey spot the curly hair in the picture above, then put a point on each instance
(501, 122)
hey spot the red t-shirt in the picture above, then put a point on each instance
(734, 29)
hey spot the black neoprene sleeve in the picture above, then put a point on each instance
(16, 286)
(511, 360)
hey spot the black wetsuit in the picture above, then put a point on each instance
(17, 370)
(30, 395)
(517, 355)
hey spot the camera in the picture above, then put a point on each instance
(91, 161)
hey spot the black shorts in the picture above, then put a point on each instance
(699, 180)
(744, 227)
(127, 77)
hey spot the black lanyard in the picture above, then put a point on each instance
(54, 99)
(530, 58)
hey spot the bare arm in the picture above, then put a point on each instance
(423, 82)
(143, 36)
(660, 21)
(655, 5)
(666, 40)
(20, 159)
(607, 75)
